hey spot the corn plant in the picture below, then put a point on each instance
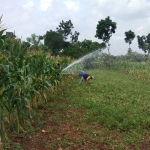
(24, 77)
(2, 30)
(2, 37)
(25, 80)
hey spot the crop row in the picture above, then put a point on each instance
(25, 81)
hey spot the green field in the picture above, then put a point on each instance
(39, 102)
(117, 102)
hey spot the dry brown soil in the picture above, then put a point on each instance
(63, 130)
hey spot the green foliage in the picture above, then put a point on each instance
(77, 50)
(65, 29)
(34, 41)
(26, 81)
(134, 57)
(8, 43)
(2, 38)
(109, 61)
(54, 41)
(129, 37)
(25, 45)
(144, 43)
(113, 102)
(89, 46)
(73, 50)
(105, 29)
(74, 37)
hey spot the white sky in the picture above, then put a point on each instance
(39, 16)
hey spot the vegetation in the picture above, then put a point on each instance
(26, 82)
(144, 43)
(37, 98)
(35, 41)
(110, 113)
(53, 42)
(118, 100)
(65, 29)
(105, 29)
(129, 37)
(2, 36)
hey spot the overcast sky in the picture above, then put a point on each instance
(39, 16)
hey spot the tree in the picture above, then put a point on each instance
(54, 41)
(65, 29)
(34, 40)
(77, 50)
(105, 29)
(89, 46)
(129, 37)
(25, 45)
(74, 37)
(144, 43)
(73, 50)
(85, 44)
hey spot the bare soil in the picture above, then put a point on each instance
(63, 129)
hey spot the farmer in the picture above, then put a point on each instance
(86, 78)
(81, 72)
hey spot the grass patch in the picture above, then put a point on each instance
(110, 113)
(115, 100)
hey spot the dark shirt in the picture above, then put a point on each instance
(85, 76)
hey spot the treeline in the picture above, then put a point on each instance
(63, 41)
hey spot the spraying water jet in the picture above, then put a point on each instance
(78, 64)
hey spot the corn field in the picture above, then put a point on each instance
(26, 80)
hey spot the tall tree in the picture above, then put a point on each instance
(129, 37)
(34, 40)
(144, 43)
(105, 29)
(74, 37)
(65, 29)
(54, 41)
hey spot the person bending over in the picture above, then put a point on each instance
(86, 78)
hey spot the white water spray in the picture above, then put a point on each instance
(78, 64)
